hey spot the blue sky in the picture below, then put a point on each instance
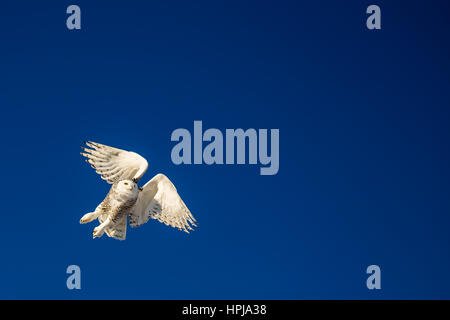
(363, 119)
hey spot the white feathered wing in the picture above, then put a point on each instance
(159, 200)
(114, 164)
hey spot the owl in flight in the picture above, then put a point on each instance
(157, 199)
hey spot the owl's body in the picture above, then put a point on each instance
(114, 209)
(157, 199)
(118, 203)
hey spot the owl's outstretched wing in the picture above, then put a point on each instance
(160, 200)
(114, 164)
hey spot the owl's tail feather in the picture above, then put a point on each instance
(117, 231)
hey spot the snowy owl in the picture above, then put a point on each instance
(157, 199)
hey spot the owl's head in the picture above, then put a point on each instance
(127, 188)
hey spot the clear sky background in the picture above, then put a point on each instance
(364, 156)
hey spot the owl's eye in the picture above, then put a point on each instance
(126, 183)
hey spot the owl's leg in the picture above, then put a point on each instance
(100, 230)
(91, 216)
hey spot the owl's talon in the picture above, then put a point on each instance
(97, 233)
